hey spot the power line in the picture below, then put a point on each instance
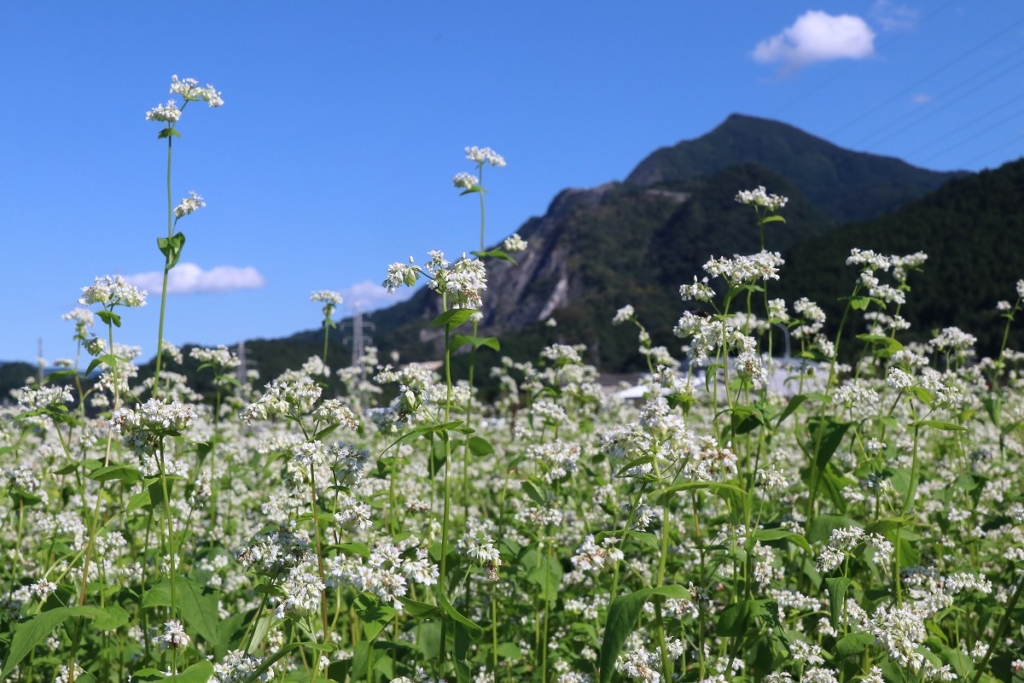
(975, 121)
(1015, 115)
(996, 148)
(852, 65)
(944, 67)
(944, 104)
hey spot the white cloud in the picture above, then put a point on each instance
(817, 37)
(892, 17)
(188, 278)
(372, 295)
(922, 98)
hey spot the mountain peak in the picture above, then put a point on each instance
(835, 179)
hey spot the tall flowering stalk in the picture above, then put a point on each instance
(169, 114)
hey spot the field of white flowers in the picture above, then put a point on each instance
(864, 524)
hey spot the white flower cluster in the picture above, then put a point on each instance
(189, 204)
(484, 156)
(844, 541)
(813, 316)
(479, 547)
(901, 631)
(760, 197)
(898, 379)
(112, 290)
(154, 416)
(386, 572)
(954, 340)
(561, 354)
(165, 113)
(624, 314)
(401, 275)
(591, 557)
(173, 637)
(220, 357)
(465, 181)
(334, 412)
(326, 296)
(514, 243)
(463, 283)
(698, 291)
(275, 551)
(559, 458)
(302, 589)
(281, 397)
(238, 667)
(740, 270)
(44, 397)
(83, 318)
(190, 91)
(641, 665)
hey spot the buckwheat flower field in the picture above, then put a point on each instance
(854, 523)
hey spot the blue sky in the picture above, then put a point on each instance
(344, 122)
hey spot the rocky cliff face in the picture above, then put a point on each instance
(543, 280)
(635, 241)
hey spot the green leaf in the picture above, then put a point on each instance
(479, 446)
(453, 318)
(108, 318)
(735, 618)
(821, 527)
(922, 394)
(461, 340)
(168, 133)
(794, 403)
(622, 615)
(420, 610)
(113, 618)
(825, 439)
(782, 535)
(746, 419)
(30, 633)
(715, 487)
(837, 599)
(171, 248)
(534, 493)
(547, 575)
(137, 501)
(272, 659)
(853, 643)
(124, 473)
(860, 303)
(495, 253)
(774, 218)
(199, 672)
(939, 424)
(197, 610)
(352, 549)
(509, 651)
(474, 631)
(109, 359)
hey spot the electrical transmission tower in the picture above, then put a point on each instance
(243, 364)
(359, 339)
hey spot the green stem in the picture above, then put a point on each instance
(163, 290)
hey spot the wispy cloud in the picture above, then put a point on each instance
(371, 295)
(922, 98)
(188, 278)
(892, 17)
(817, 37)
